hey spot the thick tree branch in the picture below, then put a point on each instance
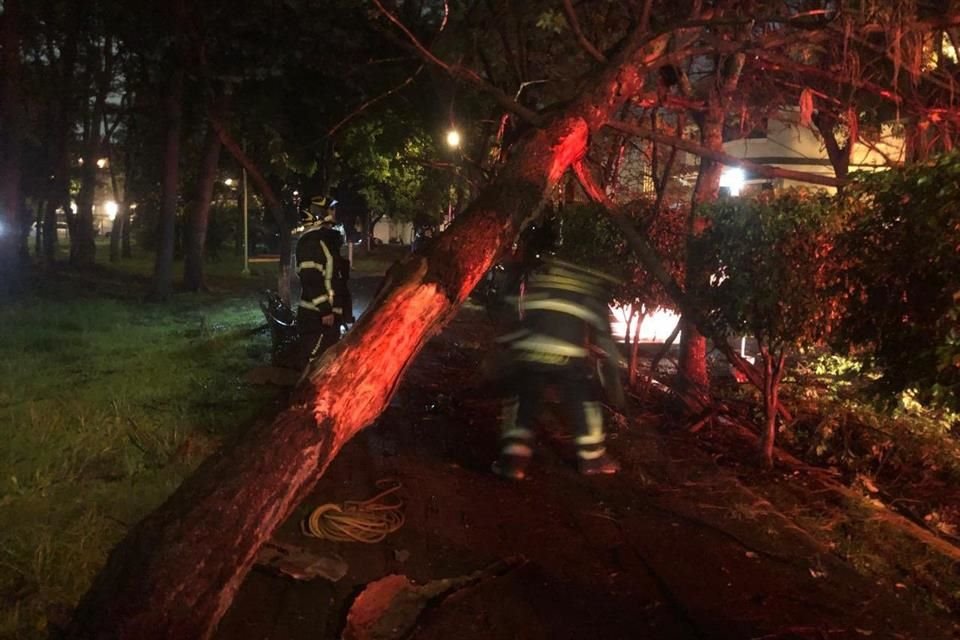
(725, 158)
(586, 45)
(645, 15)
(775, 62)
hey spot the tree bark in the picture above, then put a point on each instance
(82, 245)
(58, 153)
(173, 112)
(126, 249)
(122, 219)
(176, 573)
(772, 373)
(10, 146)
(117, 230)
(199, 215)
(826, 124)
(83, 248)
(693, 345)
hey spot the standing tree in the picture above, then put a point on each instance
(716, 86)
(170, 182)
(198, 215)
(771, 273)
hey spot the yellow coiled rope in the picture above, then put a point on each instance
(354, 521)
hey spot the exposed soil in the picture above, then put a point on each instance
(679, 545)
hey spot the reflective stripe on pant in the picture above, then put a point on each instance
(516, 439)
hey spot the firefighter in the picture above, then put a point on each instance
(563, 340)
(324, 309)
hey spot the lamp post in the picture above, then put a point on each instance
(453, 141)
(246, 226)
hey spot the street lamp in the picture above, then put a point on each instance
(453, 138)
(229, 182)
(733, 178)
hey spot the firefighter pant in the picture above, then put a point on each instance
(313, 337)
(575, 388)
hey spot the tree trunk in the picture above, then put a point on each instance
(132, 173)
(200, 214)
(173, 112)
(10, 107)
(83, 248)
(693, 345)
(117, 231)
(826, 124)
(176, 572)
(769, 407)
(50, 240)
(125, 247)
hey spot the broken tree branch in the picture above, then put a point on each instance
(372, 101)
(460, 72)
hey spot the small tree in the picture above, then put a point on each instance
(771, 259)
(592, 239)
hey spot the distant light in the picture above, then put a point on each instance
(733, 178)
(655, 325)
(229, 182)
(133, 206)
(80, 161)
(453, 138)
(111, 208)
(102, 162)
(73, 207)
(296, 193)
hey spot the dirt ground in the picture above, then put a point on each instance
(679, 545)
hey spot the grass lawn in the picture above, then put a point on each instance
(106, 403)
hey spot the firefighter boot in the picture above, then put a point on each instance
(511, 467)
(604, 464)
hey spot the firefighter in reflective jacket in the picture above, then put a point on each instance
(324, 307)
(564, 341)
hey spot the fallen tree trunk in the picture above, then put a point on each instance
(176, 573)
